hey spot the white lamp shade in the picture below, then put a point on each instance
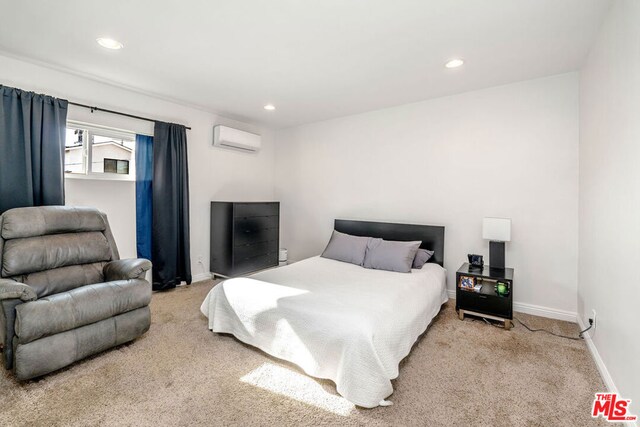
(496, 229)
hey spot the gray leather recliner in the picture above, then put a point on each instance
(64, 292)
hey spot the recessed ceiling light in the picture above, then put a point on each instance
(109, 43)
(454, 63)
(269, 107)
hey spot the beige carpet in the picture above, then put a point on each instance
(458, 374)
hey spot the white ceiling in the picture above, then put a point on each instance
(313, 59)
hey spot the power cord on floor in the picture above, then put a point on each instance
(485, 320)
(581, 334)
(490, 323)
(578, 338)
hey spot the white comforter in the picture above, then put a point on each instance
(333, 319)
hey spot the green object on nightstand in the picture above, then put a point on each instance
(502, 289)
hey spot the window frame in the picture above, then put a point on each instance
(87, 151)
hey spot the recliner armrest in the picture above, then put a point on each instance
(10, 289)
(124, 269)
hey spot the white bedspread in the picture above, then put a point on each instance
(333, 319)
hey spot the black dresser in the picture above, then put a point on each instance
(245, 237)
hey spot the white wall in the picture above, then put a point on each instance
(214, 173)
(610, 196)
(509, 151)
(117, 199)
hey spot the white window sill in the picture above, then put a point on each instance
(99, 177)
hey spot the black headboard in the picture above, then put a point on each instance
(432, 236)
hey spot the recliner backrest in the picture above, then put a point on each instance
(55, 248)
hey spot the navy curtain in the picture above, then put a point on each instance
(144, 176)
(32, 135)
(170, 246)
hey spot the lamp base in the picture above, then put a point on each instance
(496, 255)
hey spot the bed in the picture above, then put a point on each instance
(337, 320)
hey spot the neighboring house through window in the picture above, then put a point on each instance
(98, 151)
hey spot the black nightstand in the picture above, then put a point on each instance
(485, 302)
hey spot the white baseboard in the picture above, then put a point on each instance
(536, 310)
(201, 277)
(602, 368)
(551, 313)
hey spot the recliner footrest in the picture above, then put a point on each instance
(57, 351)
(78, 307)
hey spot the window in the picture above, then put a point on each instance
(116, 166)
(99, 152)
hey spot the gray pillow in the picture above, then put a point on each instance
(346, 248)
(422, 256)
(390, 255)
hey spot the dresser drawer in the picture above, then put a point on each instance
(244, 252)
(241, 210)
(255, 230)
(486, 304)
(251, 224)
(256, 263)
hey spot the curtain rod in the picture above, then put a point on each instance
(115, 112)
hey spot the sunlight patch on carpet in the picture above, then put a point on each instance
(294, 385)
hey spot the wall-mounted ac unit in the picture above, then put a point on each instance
(224, 136)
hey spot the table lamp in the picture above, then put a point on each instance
(497, 231)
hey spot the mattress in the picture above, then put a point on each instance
(334, 320)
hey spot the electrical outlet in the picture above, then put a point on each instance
(593, 316)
